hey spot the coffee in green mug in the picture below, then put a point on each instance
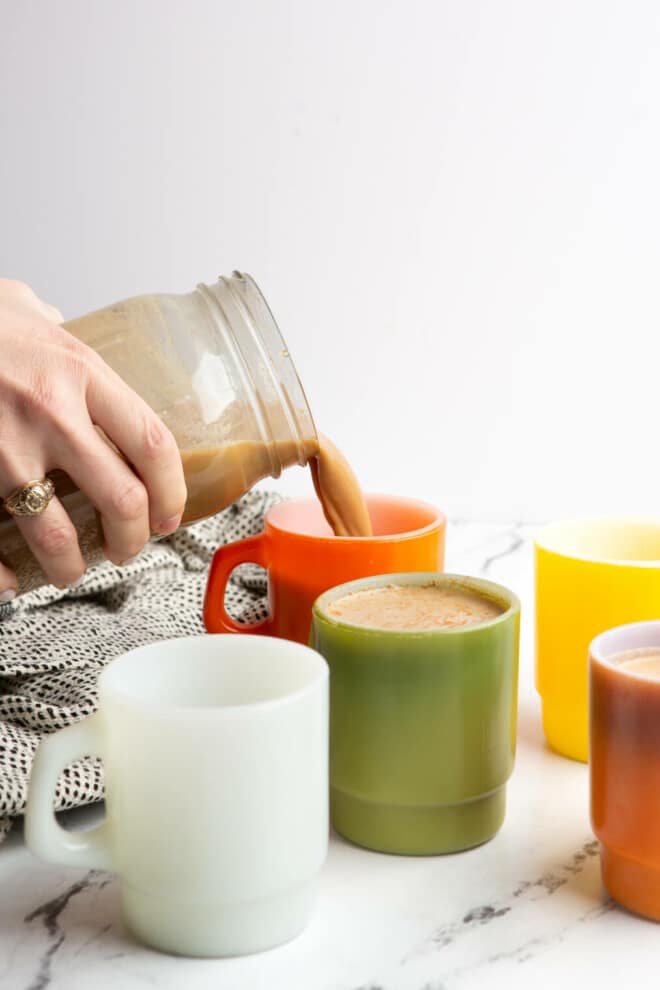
(423, 702)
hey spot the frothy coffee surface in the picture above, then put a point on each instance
(416, 606)
(644, 661)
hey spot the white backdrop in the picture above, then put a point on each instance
(452, 208)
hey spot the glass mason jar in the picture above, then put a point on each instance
(213, 365)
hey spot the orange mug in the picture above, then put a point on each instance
(303, 559)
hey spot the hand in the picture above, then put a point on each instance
(54, 393)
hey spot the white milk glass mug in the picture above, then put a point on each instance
(216, 764)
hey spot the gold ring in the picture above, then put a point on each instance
(30, 499)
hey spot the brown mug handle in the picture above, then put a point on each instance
(252, 550)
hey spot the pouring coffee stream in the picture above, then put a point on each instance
(339, 491)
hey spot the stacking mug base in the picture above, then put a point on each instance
(208, 929)
(566, 729)
(417, 830)
(634, 885)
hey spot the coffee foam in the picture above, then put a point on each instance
(415, 607)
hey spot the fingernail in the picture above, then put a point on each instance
(7, 596)
(168, 525)
(129, 560)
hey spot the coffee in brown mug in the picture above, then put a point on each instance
(644, 661)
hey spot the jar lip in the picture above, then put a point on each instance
(240, 311)
(284, 350)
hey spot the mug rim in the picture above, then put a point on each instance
(498, 592)
(597, 655)
(542, 534)
(409, 534)
(246, 643)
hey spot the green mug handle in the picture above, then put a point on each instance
(43, 835)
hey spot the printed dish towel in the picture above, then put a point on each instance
(54, 643)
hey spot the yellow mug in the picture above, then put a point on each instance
(590, 575)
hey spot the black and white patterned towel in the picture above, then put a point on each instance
(53, 643)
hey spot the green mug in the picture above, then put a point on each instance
(422, 723)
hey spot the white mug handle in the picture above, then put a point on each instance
(43, 835)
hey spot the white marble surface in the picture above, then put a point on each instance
(525, 910)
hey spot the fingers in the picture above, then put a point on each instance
(52, 538)
(115, 490)
(55, 391)
(8, 585)
(147, 443)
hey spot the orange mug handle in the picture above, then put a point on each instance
(217, 619)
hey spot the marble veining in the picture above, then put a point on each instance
(49, 914)
(516, 541)
(554, 879)
(488, 914)
(525, 910)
